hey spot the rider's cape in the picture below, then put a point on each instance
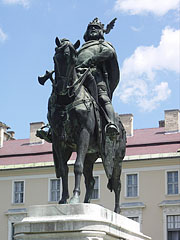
(111, 64)
(112, 68)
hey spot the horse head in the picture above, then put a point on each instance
(65, 58)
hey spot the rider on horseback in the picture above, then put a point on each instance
(100, 57)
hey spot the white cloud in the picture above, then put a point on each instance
(157, 7)
(3, 36)
(24, 3)
(159, 94)
(139, 71)
(136, 29)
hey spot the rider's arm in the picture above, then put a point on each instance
(106, 52)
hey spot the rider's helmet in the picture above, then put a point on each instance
(94, 31)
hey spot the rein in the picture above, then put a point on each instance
(79, 81)
(72, 105)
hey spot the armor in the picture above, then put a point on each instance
(100, 56)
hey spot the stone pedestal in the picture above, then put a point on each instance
(76, 222)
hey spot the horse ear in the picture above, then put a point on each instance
(77, 44)
(57, 42)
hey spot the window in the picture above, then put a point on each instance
(14, 215)
(133, 210)
(12, 231)
(54, 190)
(172, 182)
(136, 219)
(171, 209)
(95, 193)
(173, 227)
(18, 192)
(132, 185)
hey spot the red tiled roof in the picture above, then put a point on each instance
(152, 141)
(142, 150)
(26, 159)
(22, 146)
(144, 141)
(152, 135)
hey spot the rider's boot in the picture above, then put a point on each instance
(46, 135)
(111, 128)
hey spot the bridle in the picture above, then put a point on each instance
(67, 55)
(72, 81)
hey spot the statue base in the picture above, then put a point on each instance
(76, 222)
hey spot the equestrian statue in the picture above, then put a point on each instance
(80, 112)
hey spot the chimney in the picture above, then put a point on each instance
(161, 123)
(3, 133)
(11, 134)
(127, 121)
(33, 128)
(1, 136)
(172, 123)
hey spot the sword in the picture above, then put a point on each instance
(105, 73)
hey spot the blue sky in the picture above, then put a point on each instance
(147, 41)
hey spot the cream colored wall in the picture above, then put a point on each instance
(36, 192)
(151, 194)
(5, 202)
(151, 190)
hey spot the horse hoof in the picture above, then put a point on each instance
(87, 200)
(63, 201)
(74, 200)
(117, 210)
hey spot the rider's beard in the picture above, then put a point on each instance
(94, 36)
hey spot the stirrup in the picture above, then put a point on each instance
(111, 130)
(44, 135)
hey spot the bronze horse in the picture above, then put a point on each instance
(72, 115)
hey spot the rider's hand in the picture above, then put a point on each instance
(88, 63)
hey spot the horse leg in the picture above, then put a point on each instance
(65, 192)
(61, 156)
(117, 190)
(88, 175)
(117, 169)
(115, 184)
(82, 147)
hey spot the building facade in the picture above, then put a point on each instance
(150, 177)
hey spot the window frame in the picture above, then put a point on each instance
(135, 216)
(13, 192)
(133, 212)
(98, 176)
(14, 217)
(126, 186)
(49, 189)
(169, 210)
(172, 229)
(166, 183)
(173, 222)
